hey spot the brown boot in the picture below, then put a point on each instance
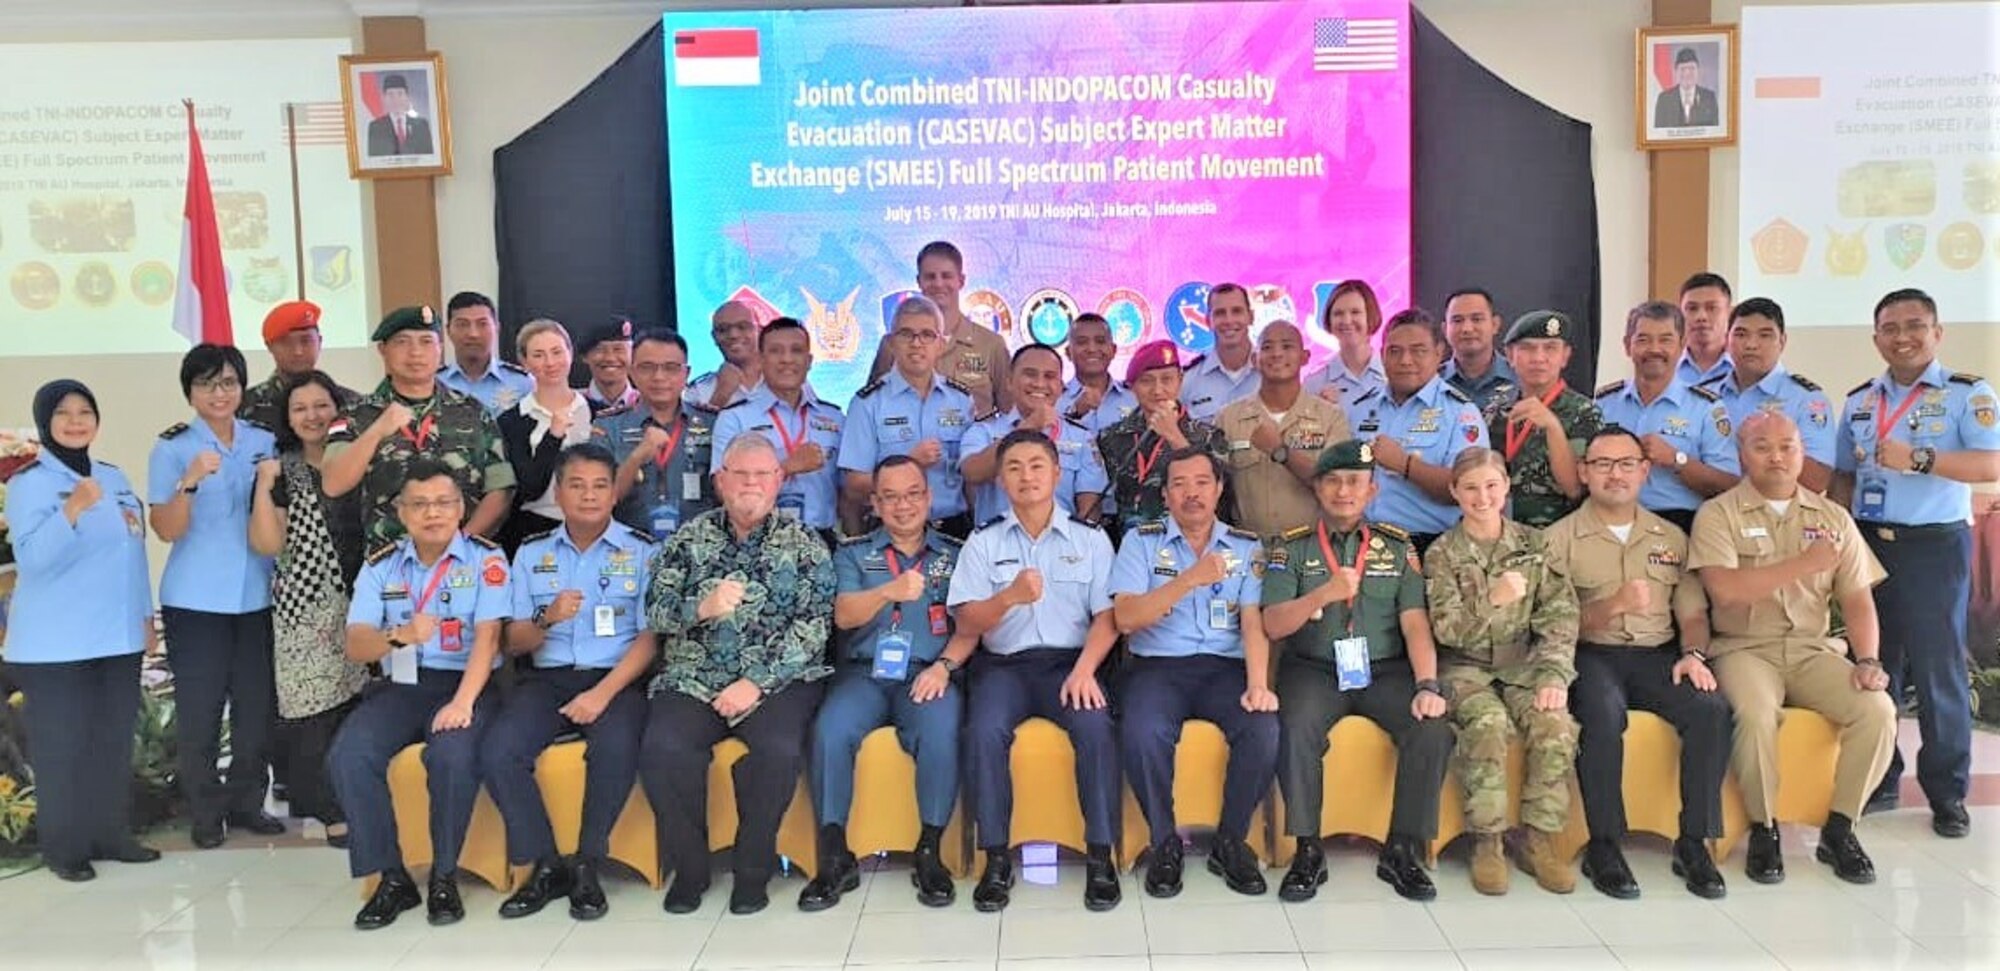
(1539, 857)
(1489, 864)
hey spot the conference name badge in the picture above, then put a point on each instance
(1350, 663)
(892, 656)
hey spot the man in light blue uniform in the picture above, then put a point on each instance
(1093, 398)
(1229, 371)
(733, 327)
(1705, 308)
(1472, 329)
(1684, 428)
(1186, 591)
(1417, 425)
(806, 430)
(1757, 380)
(577, 596)
(476, 369)
(661, 443)
(1035, 376)
(428, 609)
(890, 669)
(911, 410)
(1911, 441)
(1035, 588)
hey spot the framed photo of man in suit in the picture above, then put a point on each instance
(1685, 90)
(398, 116)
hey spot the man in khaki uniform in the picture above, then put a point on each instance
(1773, 557)
(1275, 437)
(973, 355)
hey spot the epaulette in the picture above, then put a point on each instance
(1703, 393)
(991, 414)
(1191, 365)
(1451, 391)
(544, 534)
(1078, 422)
(1718, 379)
(734, 404)
(615, 410)
(175, 430)
(1863, 386)
(703, 406)
(482, 542)
(1802, 381)
(948, 539)
(1608, 389)
(710, 376)
(1365, 395)
(869, 388)
(1391, 530)
(644, 536)
(1152, 527)
(1300, 533)
(382, 553)
(260, 426)
(853, 540)
(953, 384)
(1240, 533)
(1079, 520)
(989, 522)
(1960, 377)
(511, 366)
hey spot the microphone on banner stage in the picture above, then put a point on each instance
(201, 291)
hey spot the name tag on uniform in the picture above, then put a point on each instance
(690, 485)
(451, 635)
(403, 665)
(1755, 532)
(892, 656)
(940, 622)
(604, 620)
(1871, 497)
(1350, 663)
(1220, 617)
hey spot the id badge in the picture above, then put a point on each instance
(1350, 659)
(690, 485)
(666, 519)
(1220, 617)
(892, 656)
(604, 620)
(1871, 496)
(451, 635)
(403, 665)
(940, 621)
(792, 507)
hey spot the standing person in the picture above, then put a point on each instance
(1035, 377)
(535, 431)
(1418, 425)
(607, 349)
(971, 355)
(1477, 366)
(784, 408)
(1642, 644)
(476, 370)
(1131, 448)
(291, 334)
(1275, 436)
(733, 328)
(912, 410)
(742, 601)
(1353, 316)
(215, 596)
(1912, 441)
(76, 525)
(662, 444)
(1506, 621)
(1757, 380)
(1211, 381)
(1034, 590)
(1093, 397)
(1685, 427)
(317, 544)
(1706, 306)
(1545, 430)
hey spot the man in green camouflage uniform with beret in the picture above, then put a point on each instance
(1506, 620)
(1543, 435)
(1132, 448)
(410, 415)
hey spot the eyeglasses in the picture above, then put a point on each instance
(669, 370)
(915, 498)
(916, 336)
(223, 385)
(753, 475)
(422, 506)
(733, 327)
(1602, 466)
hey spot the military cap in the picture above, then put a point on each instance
(1152, 356)
(290, 316)
(618, 328)
(1351, 455)
(402, 319)
(1539, 324)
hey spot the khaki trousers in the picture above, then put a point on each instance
(1760, 681)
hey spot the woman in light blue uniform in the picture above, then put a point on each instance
(79, 535)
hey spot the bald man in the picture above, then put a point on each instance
(733, 326)
(1275, 436)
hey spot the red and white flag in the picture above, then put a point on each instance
(201, 297)
(719, 58)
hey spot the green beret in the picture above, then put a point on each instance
(1538, 324)
(402, 319)
(1351, 455)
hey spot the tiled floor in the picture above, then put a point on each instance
(1936, 906)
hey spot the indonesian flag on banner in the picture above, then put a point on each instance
(719, 58)
(201, 297)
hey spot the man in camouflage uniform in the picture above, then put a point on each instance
(1133, 448)
(410, 415)
(291, 334)
(1506, 620)
(1545, 432)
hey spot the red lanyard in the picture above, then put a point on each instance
(1886, 419)
(1518, 431)
(437, 576)
(1146, 462)
(785, 435)
(896, 570)
(667, 451)
(1333, 562)
(423, 432)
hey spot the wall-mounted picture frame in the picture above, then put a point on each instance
(398, 116)
(1685, 86)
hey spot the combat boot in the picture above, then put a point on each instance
(1489, 864)
(1539, 857)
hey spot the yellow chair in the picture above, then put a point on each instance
(797, 840)
(885, 817)
(1046, 805)
(1201, 760)
(560, 774)
(485, 852)
(1808, 749)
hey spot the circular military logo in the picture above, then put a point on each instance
(1270, 302)
(153, 283)
(1960, 245)
(1128, 313)
(36, 285)
(1186, 317)
(96, 285)
(988, 309)
(1047, 315)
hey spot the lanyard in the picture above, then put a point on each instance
(896, 570)
(1518, 431)
(673, 440)
(437, 576)
(1332, 562)
(423, 432)
(785, 435)
(1147, 461)
(1886, 419)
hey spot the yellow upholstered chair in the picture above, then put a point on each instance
(1046, 806)
(1201, 760)
(559, 773)
(485, 852)
(1808, 748)
(885, 817)
(796, 837)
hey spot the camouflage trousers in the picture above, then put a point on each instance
(1488, 710)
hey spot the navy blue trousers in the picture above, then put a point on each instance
(1006, 690)
(79, 716)
(1156, 695)
(1611, 679)
(221, 659)
(1922, 610)
(526, 722)
(857, 704)
(390, 717)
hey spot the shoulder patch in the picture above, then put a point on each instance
(702, 406)
(1452, 391)
(995, 520)
(381, 553)
(1863, 386)
(175, 430)
(482, 542)
(855, 540)
(1075, 423)
(1191, 365)
(1704, 394)
(1241, 533)
(1152, 527)
(1961, 377)
(1391, 530)
(947, 539)
(516, 368)
(869, 389)
(1717, 380)
(614, 411)
(643, 535)
(544, 534)
(738, 403)
(1803, 381)
(1300, 533)
(953, 384)
(995, 413)
(1365, 395)
(1608, 389)
(1079, 520)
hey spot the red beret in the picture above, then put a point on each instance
(1148, 357)
(290, 316)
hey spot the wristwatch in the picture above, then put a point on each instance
(394, 641)
(950, 666)
(1680, 460)
(188, 490)
(540, 618)
(1695, 653)
(1922, 460)
(1281, 454)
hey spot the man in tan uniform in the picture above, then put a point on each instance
(1275, 437)
(1773, 558)
(973, 355)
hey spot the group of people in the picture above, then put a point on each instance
(1434, 533)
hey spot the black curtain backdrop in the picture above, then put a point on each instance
(1504, 199)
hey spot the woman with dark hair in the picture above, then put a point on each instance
(215, 595)
(79, 536)
(317, 543)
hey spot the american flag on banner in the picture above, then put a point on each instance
(319, 123)
(1354, 44)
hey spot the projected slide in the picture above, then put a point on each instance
(1871, 158)
(93, 170)
(1109, 159)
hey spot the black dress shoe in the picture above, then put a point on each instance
(441, 905)
(749, 894)
(1604, 865)
(1765, 863)
(933, 882)
(684, 897)
(990, 895)
(1307, 873)
(394, 893)
(259, 822)
(1402, 868)
(1884, 799)
(206, 836)
(838, 875)
(1101, 890)
(80, 873)
(338, 840)
(1231, 859)
(586, 896)
(1839, 849)
(1693, 864)
(1949, 820)
(1164, 865)
(131, 851)
(550, 879)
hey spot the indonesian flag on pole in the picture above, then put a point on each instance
(726, 57)
(201, 298)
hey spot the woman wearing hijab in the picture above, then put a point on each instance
(79, 536)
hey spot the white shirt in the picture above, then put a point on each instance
(579, 431)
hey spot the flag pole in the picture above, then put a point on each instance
(298, 217)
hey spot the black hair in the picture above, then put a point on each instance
(426, 469)
(465, 299)
(1416, 317)
(586, 452)
(208, 360)
(661, 335)
(887, 462)
(782, 324)
(1655, 310)
(1195, 452)
(288, 440)
(1492, 306)
(1907, 294)
(1760, 307)
(1707, 279)
(1618, 431)
(1034, 346)
(1028, 436)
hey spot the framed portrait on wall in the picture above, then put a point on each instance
(397, 114)
(1685, 86)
